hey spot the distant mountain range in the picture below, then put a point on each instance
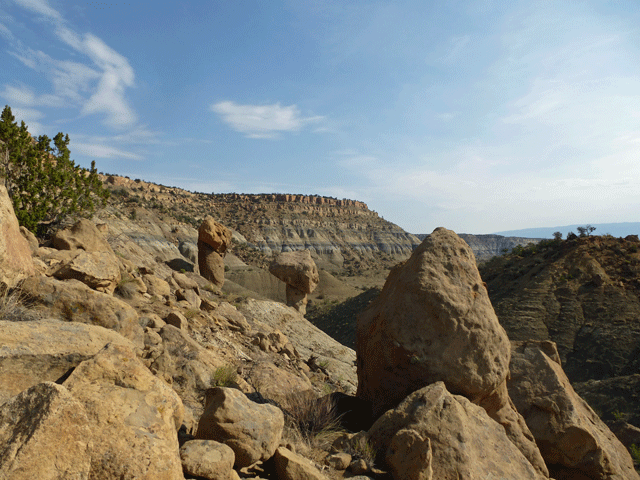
(615, 229)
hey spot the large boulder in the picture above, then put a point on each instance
(92, 261)
(44, 350)
(15, 254)
(97, 270)
(73, 301)
(252, 430)
(214, 234)
(434, 434)
(133, 416)
(573, 440)
(433, 321)
(300, 273)
(213, 240)
(44, 434)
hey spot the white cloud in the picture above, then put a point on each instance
(103, 151)
(31, 118)
(42, 7)
(24, 96)
(97, 88)
(262, 121)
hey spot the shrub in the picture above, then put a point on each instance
(225, 376)
(635, 452)
(42, 181)
(311, 420)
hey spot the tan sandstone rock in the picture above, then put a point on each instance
(156, 286)
(133, 417)
(573, 440)
(83, 235)
(73, 301)
(252, 430)
(308, 339)
(214, 234)
(433, 321)
(44, 435)
(300, 273)
(291, 466)
(39, 351)
(207, 459)
(189, 366)
(97, 270)
(213, 240)
(15, 254)
(464, 442)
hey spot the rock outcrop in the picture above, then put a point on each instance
(15, 255)
(574, 442)
(433, 321)
(299, 272)
(73, 301)
(44, 350)
(213, 240)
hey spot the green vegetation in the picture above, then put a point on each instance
(635, 452)
(42, 181)
(225, 376)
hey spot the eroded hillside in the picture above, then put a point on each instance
(583, 294)
(343, 234)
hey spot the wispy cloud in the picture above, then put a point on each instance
(31, 117)
(103, 151)
(6, 33)
(24, 96)
(98, 87)
(41, 7)
(262, 121)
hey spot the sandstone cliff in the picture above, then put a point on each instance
(337, 231)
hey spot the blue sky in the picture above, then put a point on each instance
(479, 116)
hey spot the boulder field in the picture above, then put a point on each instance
(114, 366)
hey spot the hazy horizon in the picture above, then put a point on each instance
(478, 116)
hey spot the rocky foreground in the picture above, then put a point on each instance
(114, 364)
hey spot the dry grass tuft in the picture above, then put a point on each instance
(12, 306)
(311, 422)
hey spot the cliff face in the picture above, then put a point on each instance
(336, 230)
(487, 246)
